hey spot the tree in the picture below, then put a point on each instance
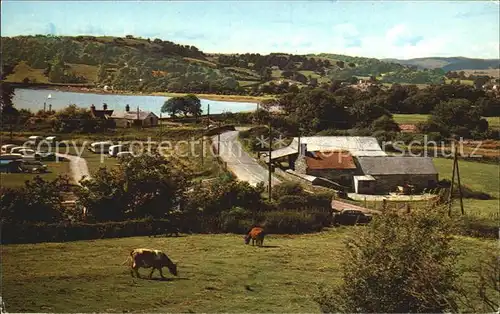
(456, 117)
(145, 186)
(189, 104)
(479, 81)
(192, 105)
(365, 112)
(266, 74)
(9, 114)
(173, 106)
(37, 201)
(74, 119)
(385, 123)
(403, 263)
(315, 109)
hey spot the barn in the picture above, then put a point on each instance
(337, 166)
(385, 174)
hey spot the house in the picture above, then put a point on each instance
(385, 174)
(337, 166)
(129, 118)
(101, 114)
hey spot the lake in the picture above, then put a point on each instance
(34, 99)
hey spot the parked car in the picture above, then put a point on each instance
(124, 154)
(115, 149)
(15, 150)
(351, 217)
(32, 166)
(7, 147)
(100, 147)
(51, 139)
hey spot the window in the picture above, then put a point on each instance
(365, 184)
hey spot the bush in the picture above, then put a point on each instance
(287, 188)
(62, 232)
(295, 221)
(399, 264)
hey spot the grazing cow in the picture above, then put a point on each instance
(147, 258)
(256, 235)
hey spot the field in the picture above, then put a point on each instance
(410, 118)
(22, 71)
(494, 122)
(480, 177)
(85, 70)
(488, 72)
(16, 180)
(217, 273)
(463, 82)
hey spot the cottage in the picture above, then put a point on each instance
(129, 118)
(101, 114)
(390, 172)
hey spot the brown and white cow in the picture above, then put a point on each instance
(256, 235)
(147, 258)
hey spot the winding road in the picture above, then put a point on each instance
(239, 162)
(78, 167)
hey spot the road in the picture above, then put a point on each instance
(78, 167)
(239, 162)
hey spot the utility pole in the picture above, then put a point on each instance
(459, 185)
(203, 136)
(161, 128)
(270, 165)
(218, 140)
(450, 196)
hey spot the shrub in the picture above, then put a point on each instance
(399, 264)
(287, 188)
(294, 221)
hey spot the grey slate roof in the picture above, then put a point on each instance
(131, 115)
(356, 145)
(396, 165)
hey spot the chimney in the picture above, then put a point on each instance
(92, 108)
(104, 106)
(127, 108)
(138, 113)
(303, 149)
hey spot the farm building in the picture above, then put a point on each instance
(356, 163)
(385, 174)
(129, 118)
(356, 145)
(337, 166)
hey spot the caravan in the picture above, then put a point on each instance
(100, 147)
(114, 150)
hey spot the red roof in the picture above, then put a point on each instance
(330, 160)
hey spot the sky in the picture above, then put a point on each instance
(378, 29)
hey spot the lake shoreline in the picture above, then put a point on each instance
(85, 90)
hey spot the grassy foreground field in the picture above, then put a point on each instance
(480, 177)
(217, 273)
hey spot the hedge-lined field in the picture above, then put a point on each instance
(217, 273)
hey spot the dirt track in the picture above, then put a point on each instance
(78, 167)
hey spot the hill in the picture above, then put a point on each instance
(449, 64)
(154, 65)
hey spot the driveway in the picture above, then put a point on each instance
(78, 167)
(239, 162)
